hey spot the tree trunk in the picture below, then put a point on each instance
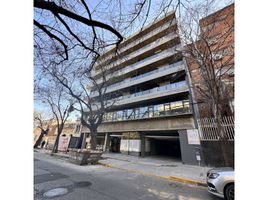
(39, 140)
(223, 139)
(55, 147)
(93, 141)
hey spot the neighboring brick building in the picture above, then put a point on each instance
(210, 63)
(215, 47)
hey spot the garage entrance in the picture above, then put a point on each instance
(167, 146)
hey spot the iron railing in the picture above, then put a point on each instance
(209, 131)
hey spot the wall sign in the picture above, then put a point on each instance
(193, 136)
(63, 143)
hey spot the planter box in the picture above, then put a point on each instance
(84, 156)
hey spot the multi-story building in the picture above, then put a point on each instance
(212, 75)
(216, 44)
(152, 111)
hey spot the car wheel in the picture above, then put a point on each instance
(229, 192)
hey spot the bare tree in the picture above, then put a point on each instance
(57, 101)
(209, 52)
(91, 106)
(43, 124)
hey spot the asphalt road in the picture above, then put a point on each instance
(101, 183)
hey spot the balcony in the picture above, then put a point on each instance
(149, 60)
(160, 72)
(139, 52)
(143, 38)
(153, 93)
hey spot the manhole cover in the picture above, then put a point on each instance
(55, 192)
(82, 184)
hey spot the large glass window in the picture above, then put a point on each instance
(156, 110)
(137, 113)
(130, 113)
(176, 106)
(186, 105)
(167, 106)
(119, 115)
(125, 115)
(151, 111)
(144, 112)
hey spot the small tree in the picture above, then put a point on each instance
(43, 125)
(92, 108)
(55, 98)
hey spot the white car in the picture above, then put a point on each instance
(220, 182)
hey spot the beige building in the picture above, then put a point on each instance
(152, 110)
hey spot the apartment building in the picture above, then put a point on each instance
(152, 112)
(217, 47)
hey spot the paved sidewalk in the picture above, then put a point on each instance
(156, 166)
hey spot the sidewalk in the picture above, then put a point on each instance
(159, 167)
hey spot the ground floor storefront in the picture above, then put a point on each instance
(173, 144)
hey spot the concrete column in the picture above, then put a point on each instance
(142, 144)
(84, 141)
(105, 142)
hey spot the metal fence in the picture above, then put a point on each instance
(209, 131)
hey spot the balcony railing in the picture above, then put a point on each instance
(139, 52)
(166, 109)
(155, 90)
(141, 63)
(161, 89)
(144, 37)
(129, 80)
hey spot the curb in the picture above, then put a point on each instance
(171, 178)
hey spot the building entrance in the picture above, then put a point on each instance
(168, 146)
(115, 144)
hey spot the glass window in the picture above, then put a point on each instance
(151, 111)
(120, 115)
(186, 105)
(130, 113)
(167, 106)
(176, 105)
(156, 110)
(137, 113)
(109, 116)
(114, 116)
(144, 112)
(124, 114)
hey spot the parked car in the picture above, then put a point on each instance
(220, 182)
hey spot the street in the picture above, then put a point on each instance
(100, 183)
